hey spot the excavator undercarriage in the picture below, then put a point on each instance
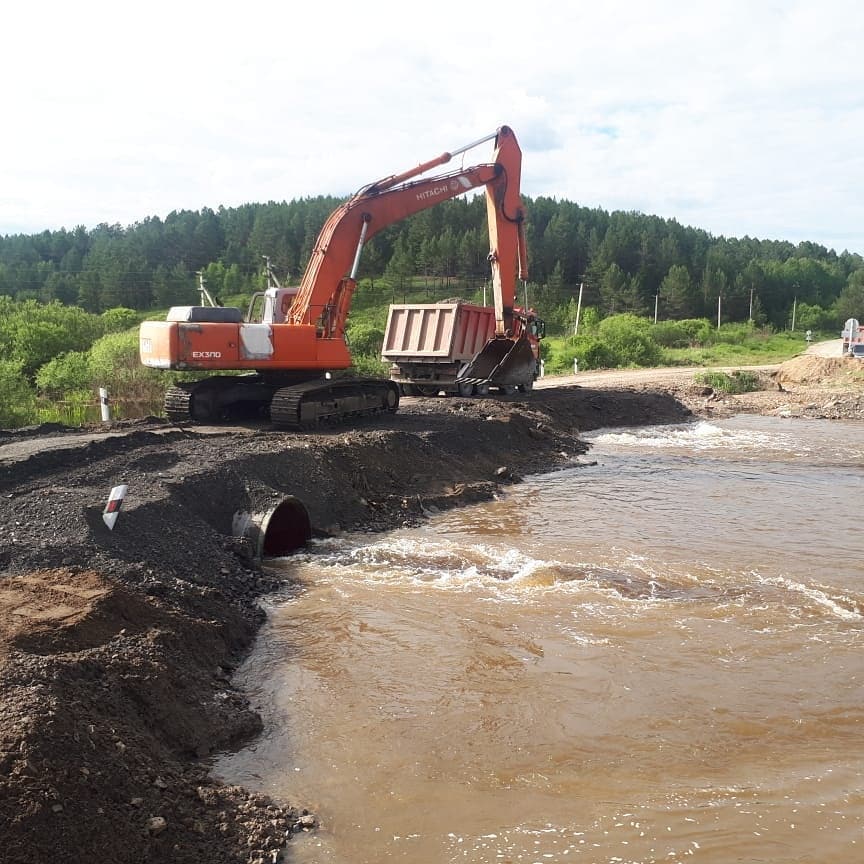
(292, 405)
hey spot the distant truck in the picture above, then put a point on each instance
(853, 334)
(436, 348)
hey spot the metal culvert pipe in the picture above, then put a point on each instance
(277, 531)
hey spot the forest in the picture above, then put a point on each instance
(70, 300)
(626, 261)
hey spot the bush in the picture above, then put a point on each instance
(119, 319)
(733, 334)
(629, 337)
(64, 374)
(738, 382)
(369, 365)
(33, 333)
(688, 333)
(591, 352)
(17, 399)
(365, 339)
(115, 364)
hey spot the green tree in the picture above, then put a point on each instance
(677, 295)
(812, 317)
(174, 287)
(613, 288)
(850, 303)
(401, 267)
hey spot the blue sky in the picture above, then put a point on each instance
(740, 118)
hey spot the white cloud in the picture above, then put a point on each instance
(735, 119)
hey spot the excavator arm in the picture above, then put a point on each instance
(324, 296)
(508, 256)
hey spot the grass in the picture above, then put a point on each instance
(757, 350)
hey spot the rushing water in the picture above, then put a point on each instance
(659, 657)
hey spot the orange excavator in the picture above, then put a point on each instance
(295, 343)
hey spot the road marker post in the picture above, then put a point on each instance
(104, 406)
(112, 508)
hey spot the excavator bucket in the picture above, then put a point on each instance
(501, 361)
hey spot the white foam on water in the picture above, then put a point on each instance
(503, 574)
(435, 563)
(838, 605)
(700, 436)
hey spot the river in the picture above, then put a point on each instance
(657, 657)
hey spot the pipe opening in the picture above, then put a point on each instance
(280, 530)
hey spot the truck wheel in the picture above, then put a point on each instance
(408, 389)
(481, 390)
(527, 387)
(427, 389)
(465, 389)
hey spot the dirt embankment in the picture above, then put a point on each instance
(117, 648)
(811, 385)
(807, 386)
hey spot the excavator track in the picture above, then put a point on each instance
(299, 406)
(178, 405)
(216, 399)
(304, 406)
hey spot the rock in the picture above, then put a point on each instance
(156, 825)
(305, 823)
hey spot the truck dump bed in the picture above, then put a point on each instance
(433, 332)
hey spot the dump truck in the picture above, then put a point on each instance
(436, 348)
(852, 335)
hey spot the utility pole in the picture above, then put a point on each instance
(750, 318)
(656, 302)
(719, 298)
(578, 309)
(794, 305)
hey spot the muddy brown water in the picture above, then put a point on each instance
(656, 658)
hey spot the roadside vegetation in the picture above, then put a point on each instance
(630, 341)
(739, 381)
(56, 357)
(71, 301)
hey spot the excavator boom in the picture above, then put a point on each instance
(354, 223)
(380, 204)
